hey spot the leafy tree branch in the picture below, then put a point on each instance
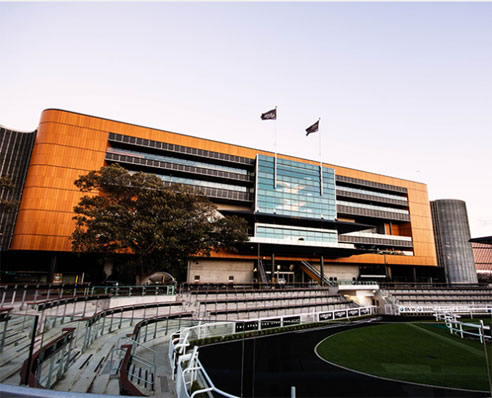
(161, 226)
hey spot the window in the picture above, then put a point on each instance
(231, 278)
(297, 191)
(197, 278)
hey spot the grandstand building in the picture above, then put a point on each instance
(306, 221)
(482, 252)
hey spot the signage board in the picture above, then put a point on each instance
(57, 279)
(270, 323)
(325, 316)
(364, 311)
(354, 312)
(292, 320)
(246, 326)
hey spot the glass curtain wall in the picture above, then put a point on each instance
(295, 189)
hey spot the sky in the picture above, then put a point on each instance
(402, 89)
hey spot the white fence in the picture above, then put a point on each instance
(186, 369)
(457, 327)
(471, 310)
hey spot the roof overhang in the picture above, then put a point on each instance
(267, 249)
(341, 226)
(486, 240)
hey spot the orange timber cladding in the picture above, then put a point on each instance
(69, 144)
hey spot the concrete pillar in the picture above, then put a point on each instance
(388, 273)
(52, 269)
(273, 266)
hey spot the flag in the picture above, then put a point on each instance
(313, 128)
(270, 115)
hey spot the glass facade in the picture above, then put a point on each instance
(298, 189)
(294, 234)
(200, 183)
(373, 207)
(15, 153)
(372, 193)
(170, 159)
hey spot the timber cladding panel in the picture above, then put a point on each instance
(70, 144)
(63, 151)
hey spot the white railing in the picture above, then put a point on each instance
(380, 236)
(457, 327)
(432, 309)
(186, 369)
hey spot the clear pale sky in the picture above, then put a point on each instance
(402, 89)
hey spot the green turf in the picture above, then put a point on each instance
(420, 353)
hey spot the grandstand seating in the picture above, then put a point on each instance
(438, 295)
(98, 328)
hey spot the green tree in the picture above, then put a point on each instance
(7, 206)
(161, 226)
(6, 185)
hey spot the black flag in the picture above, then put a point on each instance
(270, 115)
(313, 128)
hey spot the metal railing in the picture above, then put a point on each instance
(187, 369)
(355, 283)
(138, 367)
(432, 285)
(131, 291)
(56, 355)
(317, 273)
(200, 288)
(461, 329)
(261, 272)
(21, 294)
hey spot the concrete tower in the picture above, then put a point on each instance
(452, 235)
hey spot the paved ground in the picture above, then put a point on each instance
(271, 365)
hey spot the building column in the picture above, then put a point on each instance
(273, 266)
(52, 269)
(389, 274)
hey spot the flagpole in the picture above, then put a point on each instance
(320, 161)
(275, 149)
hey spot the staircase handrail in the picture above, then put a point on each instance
(261, 272)
(318, 274)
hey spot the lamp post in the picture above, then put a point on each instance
(1, 247)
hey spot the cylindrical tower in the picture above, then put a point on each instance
(452, 236)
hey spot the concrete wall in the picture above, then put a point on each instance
(341, 272)
(363, 297)
(216, 271)
(122, 301)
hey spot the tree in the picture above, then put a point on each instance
(7, 206)
(6, 185)
(161, 226)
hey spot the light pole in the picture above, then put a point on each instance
(1, 247)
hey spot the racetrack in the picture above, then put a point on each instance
(271, 365)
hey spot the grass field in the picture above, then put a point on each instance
(417, 352)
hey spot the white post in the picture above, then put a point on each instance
(275, 150)
(482, 337)
(320, 161)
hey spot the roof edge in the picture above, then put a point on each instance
(228, 143)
